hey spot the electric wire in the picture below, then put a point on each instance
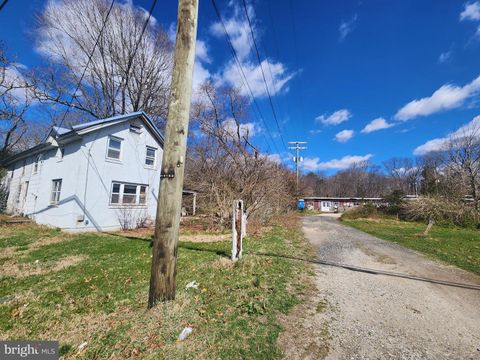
(263, 73)
(88, 63)
(242, 72)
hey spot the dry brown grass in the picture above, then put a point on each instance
(10, 268)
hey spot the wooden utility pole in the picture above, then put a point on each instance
(297, 147)
(165, 242)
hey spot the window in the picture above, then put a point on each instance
(150, 156)
(128, 194)
(56, 188)
(143, 195)
(35, 165)
(23, 166)
(26, 190)
(115, 196)
(114, 148)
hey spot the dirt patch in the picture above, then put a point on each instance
(205, 238)
(38, 268)
(306, 334)
(46, 241)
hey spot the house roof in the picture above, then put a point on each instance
(61, 133)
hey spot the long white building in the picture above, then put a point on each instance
(97, 176)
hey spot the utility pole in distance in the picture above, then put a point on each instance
(165, 241)
(297, 147)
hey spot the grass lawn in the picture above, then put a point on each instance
(453, 245)
(93, 288)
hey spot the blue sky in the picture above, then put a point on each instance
(411, 66)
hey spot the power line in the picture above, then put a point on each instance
(263, 73)
(3, 4)
(130, 61)
(88, 63)
(243, 76)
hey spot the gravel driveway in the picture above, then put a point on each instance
(372, 316)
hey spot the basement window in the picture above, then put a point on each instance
(128, 194)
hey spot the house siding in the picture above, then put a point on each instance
(87, 177)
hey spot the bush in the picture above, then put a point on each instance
(361, 212)
(441, 210)
(3, 191)
(394, 203)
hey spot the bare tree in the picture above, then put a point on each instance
(130, 69)
(223, 163)
(405, 174)
(463, 151)
(15, 100)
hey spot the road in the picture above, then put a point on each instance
(374, 316)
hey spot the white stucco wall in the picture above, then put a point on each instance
(87, 177)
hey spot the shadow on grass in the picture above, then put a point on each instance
(338, 265)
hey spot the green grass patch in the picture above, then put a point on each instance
(102, 300)
(453, 245)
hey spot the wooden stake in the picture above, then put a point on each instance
(165, 242)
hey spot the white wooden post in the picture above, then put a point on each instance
(237, 230)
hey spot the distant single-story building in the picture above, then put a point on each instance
(338, 204)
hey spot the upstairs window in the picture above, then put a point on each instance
(150, 156)
(114, 148)
(35, 165)
(56, 189)
(128, 194)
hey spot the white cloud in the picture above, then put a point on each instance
(440, 143)
(314, 164)
(201, 52)
(346, 27)
(315, 132)
(445, 98)
(471, 11)
(444, 57)
(238, 30)
(14, 84)
(344, 135)
(336, 118)
(276, 158)
(375, 125)
(231, 75)
(276, 74)
(246, 129)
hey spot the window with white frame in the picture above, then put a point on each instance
(114, 148)
(35, 165)
(56, 189)
(150, 156)
(128, 194)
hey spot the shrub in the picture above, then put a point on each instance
(3, 191)
(394, 203)
(361, 212)
(441, 210)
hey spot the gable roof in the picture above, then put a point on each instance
(60, 133)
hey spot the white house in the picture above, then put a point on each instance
(97, 176)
